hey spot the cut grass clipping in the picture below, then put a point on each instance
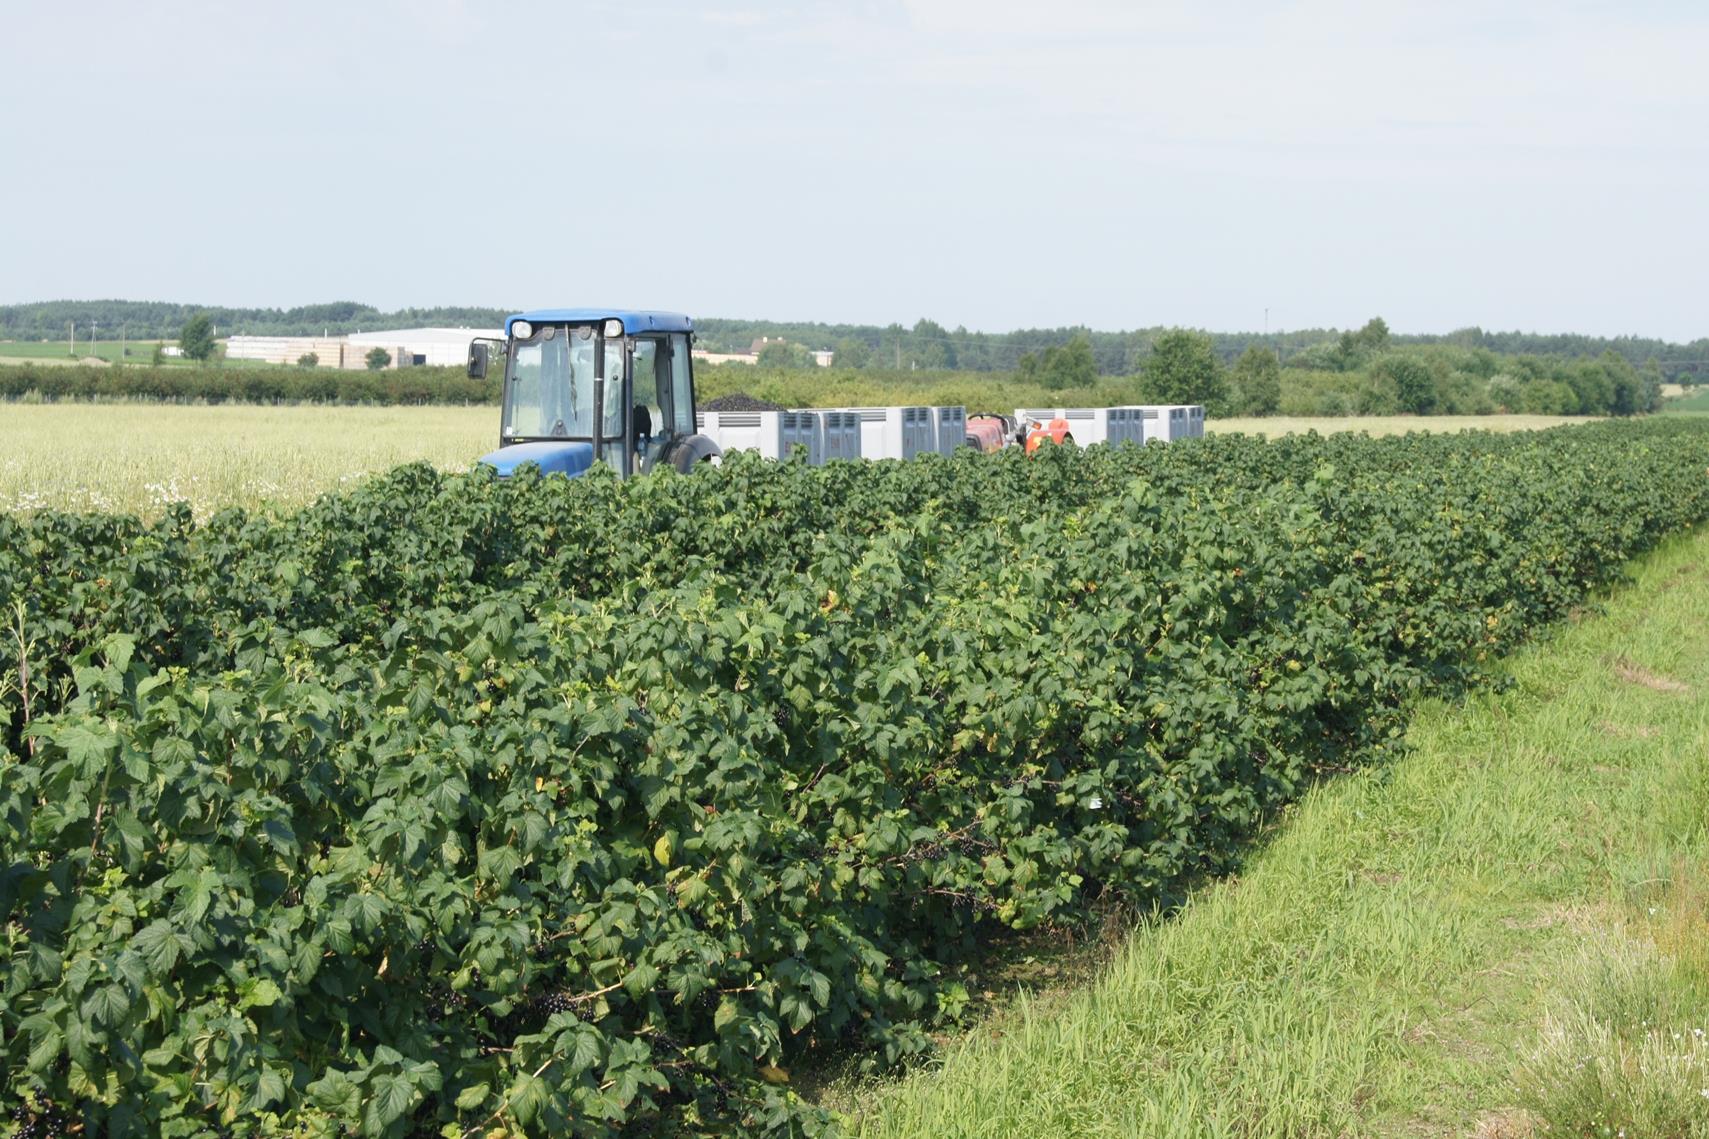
(1504, 934)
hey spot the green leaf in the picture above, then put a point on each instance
(159, 945)
(527, 1096)
(262, 994)
(169, 751)
(641, 979)
(336, 1092)
(107, 1005)
(86, 746)
(270, 1088)
(390, 1098)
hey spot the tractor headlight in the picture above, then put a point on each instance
(522, 330)
(613, 329)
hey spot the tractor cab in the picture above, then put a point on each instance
(586, 386)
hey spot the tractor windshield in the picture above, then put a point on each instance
(549, 393)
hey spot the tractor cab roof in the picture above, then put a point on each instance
(633, 320)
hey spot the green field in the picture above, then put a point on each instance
(451, 804)
(1690, 404)
(137, 457)
(1275, 426)
(1505, 934)
(54, 351)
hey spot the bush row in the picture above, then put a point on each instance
(50, 382)
(577, 807)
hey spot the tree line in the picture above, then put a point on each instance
(1370, 373)
(158, 320)
(929, 345)
(924, 345)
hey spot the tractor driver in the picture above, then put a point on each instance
(647, 410)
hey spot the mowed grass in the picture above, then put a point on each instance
(139, 457)
(1504, 934)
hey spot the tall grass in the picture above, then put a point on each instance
(139, 457)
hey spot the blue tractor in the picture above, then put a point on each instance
(585, 386)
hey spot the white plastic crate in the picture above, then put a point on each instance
(771, 433)
(894, 432)
(1167, 422)
(949, 428)
(1089, 425)
(839, 435)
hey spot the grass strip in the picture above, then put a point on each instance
(1506, 933)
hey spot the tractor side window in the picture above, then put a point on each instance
(646, 382)
(681, 386)
(523, 413)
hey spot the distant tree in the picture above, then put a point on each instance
(1356, 349)
(1070, 365)
(1414, 385)
(1255, 383)
(377, 358)
(196, 340)
(1625, 383)
(308, 360)
(1183, 368)
(783, 354)
(930, 345)
(851, 353)
(1650, 386)
(1374, 337)
(158, 356)
(890, 347)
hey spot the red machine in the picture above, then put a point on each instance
(990, 433)
(1056, 431)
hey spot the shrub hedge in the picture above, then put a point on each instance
(571, 807)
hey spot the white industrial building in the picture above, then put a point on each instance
(407, 347)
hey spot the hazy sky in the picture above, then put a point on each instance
(1540, 165)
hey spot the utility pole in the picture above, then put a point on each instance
(71, 338)
(95, 337)
(123, 328)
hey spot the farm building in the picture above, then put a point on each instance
(407, 347)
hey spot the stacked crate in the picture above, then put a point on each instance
(1167, 422)
(894, 432)
(839, 435)
(1089, 425)
(772, 433)
(949, 429)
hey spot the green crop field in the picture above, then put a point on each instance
(449, 805)
(1504, 934)
(1697, 403)
(1274, 426)
(137, 457)
(55, 351)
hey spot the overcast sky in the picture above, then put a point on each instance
(1540, 165)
